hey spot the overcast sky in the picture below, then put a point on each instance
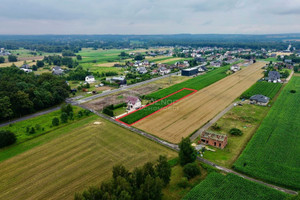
(149, 16)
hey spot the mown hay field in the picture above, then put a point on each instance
(80, 157)
(217, 186)
(273, 152)
(186, 116)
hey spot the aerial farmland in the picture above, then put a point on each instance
(186, 116)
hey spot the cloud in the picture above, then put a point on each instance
(148, 16)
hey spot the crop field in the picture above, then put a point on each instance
(217, 186)
(273, 152)
(264, 88)
(99, 56)
(196, 83)
(156, 106)
(80, 156)
(186, 116)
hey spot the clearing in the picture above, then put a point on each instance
(273, 152)
(188, 115)
(80, 156)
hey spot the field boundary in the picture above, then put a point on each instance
(194, 91)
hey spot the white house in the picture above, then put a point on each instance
(235, 68)
(90, 79)
(133, 103)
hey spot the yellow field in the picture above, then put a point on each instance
(186, 116)
(75, 160)
(18, 64)
(108, 64)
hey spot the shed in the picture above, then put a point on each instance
(189, 72)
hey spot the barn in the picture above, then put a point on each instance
(189, 72)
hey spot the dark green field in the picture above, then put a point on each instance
(264, 88)
(273, 152)
(196, 83)
(219, 187)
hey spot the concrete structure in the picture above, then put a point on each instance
(259, 100)
(189, 72)
(214, 139)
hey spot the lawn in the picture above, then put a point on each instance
(273, 152)
(246, 118)
(265, 88)
(42, 124)
(79, 155)
(217, 186)
(197, 83)
(155, 106)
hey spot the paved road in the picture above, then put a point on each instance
(211, 122)
(120, 89)
(176, 148)
(30, 116)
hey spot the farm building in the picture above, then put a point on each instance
(214, 139)
(57, 70)
(274, 76)
(189, 72)
(90, 79)
(118, 79)
(259, 100)
(133, 103)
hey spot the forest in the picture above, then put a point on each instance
(24, 93)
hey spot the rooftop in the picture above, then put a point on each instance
(213, 136)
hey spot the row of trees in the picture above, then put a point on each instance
(144, 183)
(59, 60)
(24, 93)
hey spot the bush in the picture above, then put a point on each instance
(292, 91)
(55, 121)
(191, 170)
(236, 131)
(108, 112)
(183, 183)
(216, 127)
(32, 130)
(64, 117)
(6, 138)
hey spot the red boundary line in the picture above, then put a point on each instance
(118, 119)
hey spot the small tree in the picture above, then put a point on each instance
(7, 138)
(163, 169)
(12, 58)
(32, 130)
(235, 131)
(2, 59)
(64, 117)
(187, 154)
(40, 63)
(191, 170)
(55, 121)
(78, 57)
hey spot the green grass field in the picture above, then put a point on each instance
(196, 83)
(273, 152)
(264, 88)
(100, 56)
(131, 118)
(217, 186)
(42, 124)
(71, 158)
(246, 118)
